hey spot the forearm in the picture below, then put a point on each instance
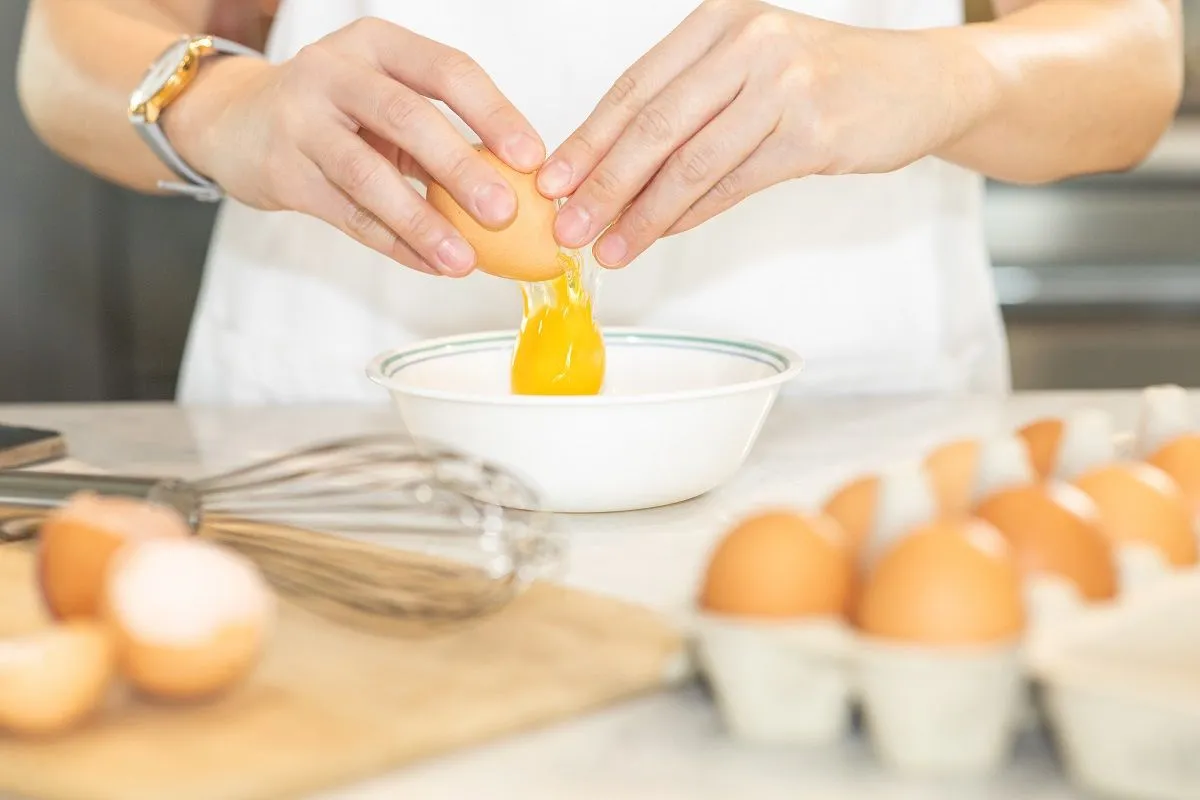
(1069, 86)
(79, 61)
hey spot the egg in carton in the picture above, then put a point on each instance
(1118, 682)
(788, 652)
(940, 695)
(1141, 507)
(771, 633)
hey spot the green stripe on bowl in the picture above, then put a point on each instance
(753, 352)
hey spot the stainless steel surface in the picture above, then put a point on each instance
(1191, 44)
(24, 496)
(1099, 278)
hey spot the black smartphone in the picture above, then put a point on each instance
(24, 447)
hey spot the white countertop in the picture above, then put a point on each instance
(671, 745)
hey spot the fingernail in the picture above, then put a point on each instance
(455, 256)
(524, 151)
(611, 250)
(495, 203)
(554, 178)
(573, 226)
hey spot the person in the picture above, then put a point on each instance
(809, 173)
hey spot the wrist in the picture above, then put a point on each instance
(970, 84)
(191, 122)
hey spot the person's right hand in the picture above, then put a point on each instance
(334, 131)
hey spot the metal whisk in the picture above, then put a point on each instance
(460, 537)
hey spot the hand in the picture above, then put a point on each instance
(741, 96)
(334, 131)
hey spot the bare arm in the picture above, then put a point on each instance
(332, 132)
(1076, 86)
(743, 95)
(79, 61)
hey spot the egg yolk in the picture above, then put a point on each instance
(559, 350)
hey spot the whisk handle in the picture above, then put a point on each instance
(45, 491)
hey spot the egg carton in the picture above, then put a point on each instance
(1121, 692)
(1118, 685)
(929, 711)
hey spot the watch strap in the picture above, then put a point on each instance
(191, 182)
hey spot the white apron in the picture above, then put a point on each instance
(880, 282)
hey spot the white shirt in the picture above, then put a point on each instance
(881, 282)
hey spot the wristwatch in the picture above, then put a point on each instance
(168, 77)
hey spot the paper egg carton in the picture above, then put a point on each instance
(1121, 692)
(1119, 684)
(929, 711)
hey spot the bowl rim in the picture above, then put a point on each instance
(791, 361)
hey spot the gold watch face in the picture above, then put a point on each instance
(167, 78)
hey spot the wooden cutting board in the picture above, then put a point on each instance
(331, 704)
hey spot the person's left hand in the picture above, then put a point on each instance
(741, 96)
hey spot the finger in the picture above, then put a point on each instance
(446, 74)
(758, 172)
(374, 183)
(408, 167)
(684, 107)
(690, 173)
(576, 157)
(330, 204)
(405, 118)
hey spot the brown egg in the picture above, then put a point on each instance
(1167, 437)
(853, 506)
(54, 679)
(190, 618)
(1141, 504)
(1042, 437)
(1054, 528)
(1064, 448)
(951, 470)
(76, 543)
(1180, 458)
(947, 583)
(779, 564)
(523, 250)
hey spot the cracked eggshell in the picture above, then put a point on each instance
(54, 679)
(190, 617)
(523, 250)
(77, 543)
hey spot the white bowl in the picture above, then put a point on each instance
(677, 417)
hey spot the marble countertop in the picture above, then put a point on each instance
(670, 745)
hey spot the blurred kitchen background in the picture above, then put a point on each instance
(1100, 278)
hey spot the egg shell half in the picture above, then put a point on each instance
(779, 564)
(853, 507)
(1043, 437)
(54, 679)
(523, 250)
(77, 542)
(190, 618)
(951, 469)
